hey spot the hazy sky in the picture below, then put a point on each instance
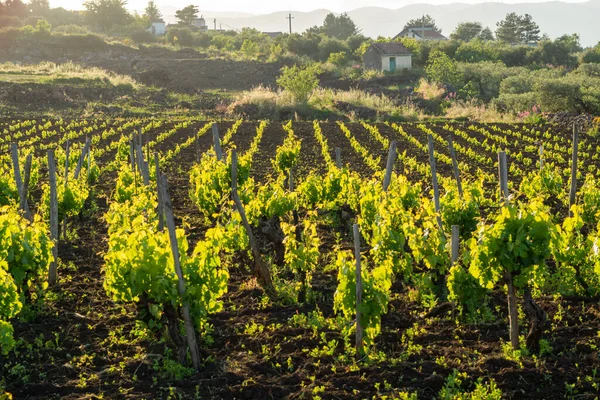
(262, 7)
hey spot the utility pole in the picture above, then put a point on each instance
(423, 27)
(290, 18)
(215, 22)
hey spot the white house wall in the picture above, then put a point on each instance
(402, 62)
(159, 28)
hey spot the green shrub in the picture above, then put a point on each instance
(517, 84)
(143, 36)
(487, 77)
(591, 70)
(339, 59)
(180, 36)
(516, 102)
(557, 95)
(592, 55)
(250, 49)
(442, 69)
(299, 82)
(81, 42)
(72, 29)
(327, 46)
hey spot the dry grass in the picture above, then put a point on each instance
(430, 91)
(479, 112)
(68, 70)
(268, 101)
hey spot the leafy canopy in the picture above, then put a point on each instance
(426, 21)
(187, 15)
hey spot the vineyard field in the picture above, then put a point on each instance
(98, 334)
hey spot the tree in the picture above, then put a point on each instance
(152, 13)
(341, 27)
(250, 49)
(466, 31)
(518, 29)
(14, 8)
(39, 7)
(509, 29)
(530, 30)
(299, 82)
(426, 21)
(486, 35)
(442, 69)
(571, 42)
(107, 13)
(187, 15)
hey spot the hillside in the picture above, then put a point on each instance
(554, 18)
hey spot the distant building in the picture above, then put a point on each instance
(158, 27)
(426, 33)
(200, 23)
(389, 57)
(273, 35)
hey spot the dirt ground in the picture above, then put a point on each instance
(80, 344)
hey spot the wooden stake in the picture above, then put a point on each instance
(23, 195)
(503, 176)
(217, 142)
(197, 146)
(16, 167)
(143, 167)
(66, 186)
(189, 327)
(541, 156)
(338, 157)
(89, 162)
(53, 218)
(359, 329)
(390, 165)
(455, 242)
(513, 315)
(455, 166)
(573, 191)
(84, 152)
(261, 270)
(436, 189)
(132, 153)
(159, 211)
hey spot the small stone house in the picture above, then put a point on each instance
(424, 33)
(389, 57)
(158, 28)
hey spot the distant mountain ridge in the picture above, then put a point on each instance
(554, 18)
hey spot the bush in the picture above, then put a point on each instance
(223, 42)
(327, 46)
(8, 21)
(487, 77)
(299, 82)
(475, 51)
(81, 42)
(143, 36)
(340, 59)
(303, 45)
(592, 55)
(591, 70)
(180, 36)
(72, 29)
(557, 95)
(442, 69)
(515, 102)
(517, 84)
(250, 49)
